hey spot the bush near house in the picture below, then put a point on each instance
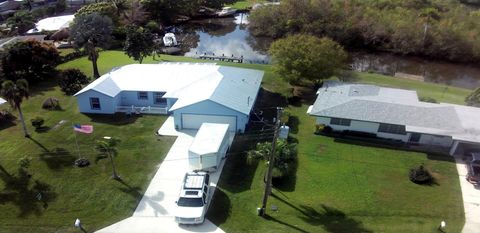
(72, 81)
(51, 103)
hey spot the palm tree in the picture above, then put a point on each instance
(14, 93)
(107, 147)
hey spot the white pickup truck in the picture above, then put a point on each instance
(194, 198)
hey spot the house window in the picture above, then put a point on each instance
(95, 103)
(393, 129)
(143, 95)
(340, 121)
(159, 100)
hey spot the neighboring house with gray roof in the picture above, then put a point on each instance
(397, 114)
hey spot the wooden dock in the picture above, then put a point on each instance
(222, 58)
(409, 76)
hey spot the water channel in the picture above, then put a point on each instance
(230, 37)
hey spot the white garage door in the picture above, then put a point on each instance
(194, 121)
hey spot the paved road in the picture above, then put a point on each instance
(471, 200)
(155, 212)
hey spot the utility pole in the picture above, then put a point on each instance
(271, 162)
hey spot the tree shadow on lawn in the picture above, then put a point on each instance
(293, 123)
(58, 158)
(41, 87)
(302, 95)
(270, 218)
(220, 208)
(19, 191)
(7, 124)
(238, 173)
(332, 219)
(287, 183)
(45, 149)
(151, 201)
(113, 119)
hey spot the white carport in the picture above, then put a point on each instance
(209, 146)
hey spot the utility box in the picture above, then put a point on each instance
(209, 147)
(283, 133)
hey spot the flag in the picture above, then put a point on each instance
(83, 128)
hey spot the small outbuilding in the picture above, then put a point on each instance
(209, 147)
(2, 101)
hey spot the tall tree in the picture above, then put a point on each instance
(305, 58)
(14, 93)
(91, 32)
(134, 14)
(108, 147)
(31, 60)
(139, 43)
(21, 22)
(428, 15)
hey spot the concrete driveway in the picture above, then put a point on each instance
(155, 212)
(471, 199)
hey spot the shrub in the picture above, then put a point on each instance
(37, 122)
(285, 156)
(24, 162)
(51, 104)
(72, 81)
(327, 130)
(420, 175)
(6, 116)
(428, 99)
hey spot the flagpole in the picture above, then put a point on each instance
(76, 142)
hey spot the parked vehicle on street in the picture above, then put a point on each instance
(194, 198)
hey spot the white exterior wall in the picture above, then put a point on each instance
(362, 126)
(107, 104)
(208, 107)
(401, 137)
(436, 140)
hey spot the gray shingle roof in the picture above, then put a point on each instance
(396, 106)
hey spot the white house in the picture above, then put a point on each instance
(2, 101)
(193, 92)
(397, 114)
(52, 23)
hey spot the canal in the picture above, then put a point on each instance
(230, 37)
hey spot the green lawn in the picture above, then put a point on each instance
(337, 185)
(85, 193)
(442, 93)
(245, 4)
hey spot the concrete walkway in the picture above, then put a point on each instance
(471, 199)
(155, 212)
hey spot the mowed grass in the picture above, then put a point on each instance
(67, 192)
(245, 4)
(441, 93)
(339, 187)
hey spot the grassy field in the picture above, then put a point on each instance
(69, 192)
(337, 186)
(245, 4)
(441, 93)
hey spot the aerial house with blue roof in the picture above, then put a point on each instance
(194, 93)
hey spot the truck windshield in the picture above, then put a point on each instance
(190, 202)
